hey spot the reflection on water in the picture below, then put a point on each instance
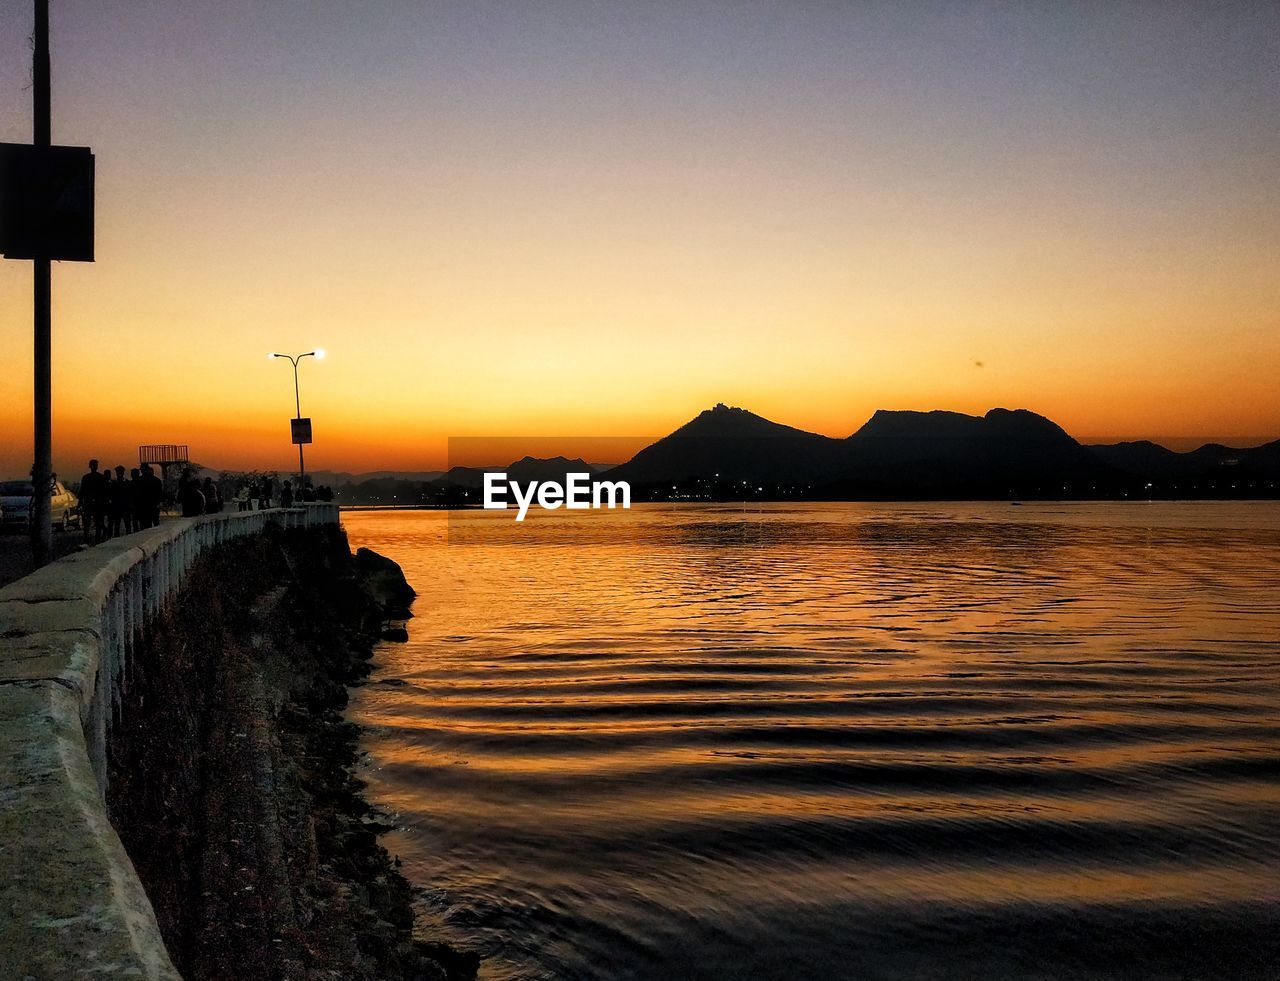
(854, 741)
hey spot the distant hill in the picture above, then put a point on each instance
(729, 452)
(525, 469)
(458, 485)
(949, 452)
(733, 444)
(338, 478)
(1211, 461)
(1143, 457)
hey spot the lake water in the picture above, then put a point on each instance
(839, 741)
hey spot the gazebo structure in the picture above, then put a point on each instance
(163, 455)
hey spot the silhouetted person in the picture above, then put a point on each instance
(152, 496)
(184, 481)
(308, 492)
(137, 500)
(189, 497)
(121, 504)
(51, 488)
(242, 496)
(286, 495)
(90, 496)
(212, 496)
(325, 493)
(192, 500)
(102, 516)
(264, 494)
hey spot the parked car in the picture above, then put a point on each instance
(15, 505)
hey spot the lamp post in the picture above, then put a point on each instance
(318, 354)
(42, 472)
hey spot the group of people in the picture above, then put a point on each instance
(206, 498)
(110, 505)
(262, 491)
(196, 497)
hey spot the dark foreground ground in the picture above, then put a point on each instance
(232, 779)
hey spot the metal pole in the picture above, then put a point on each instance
(42, 471)
(297, 403)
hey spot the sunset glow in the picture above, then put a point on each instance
(592, 220)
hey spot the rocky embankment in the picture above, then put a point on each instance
(232, 778)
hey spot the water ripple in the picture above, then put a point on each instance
(837, 741)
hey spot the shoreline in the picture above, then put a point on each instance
(233, 782)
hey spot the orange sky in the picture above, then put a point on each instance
(592, 221)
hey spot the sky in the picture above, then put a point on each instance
(597, 219)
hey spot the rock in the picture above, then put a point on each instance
(382, 580)
(397, 634)
(461, 964)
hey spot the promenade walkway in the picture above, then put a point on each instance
(70, 901)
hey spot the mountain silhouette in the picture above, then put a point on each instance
(340, 478)
(940, 451)
(1143, 457)
(732, 444)
(727, 451)
(730, 453)
(550, 468)
(526, 469)
(1212, 461)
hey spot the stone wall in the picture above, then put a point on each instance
(70, 901)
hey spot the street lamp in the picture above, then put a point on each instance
(298, 436)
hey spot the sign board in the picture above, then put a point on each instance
(46, 202)
(301, 430)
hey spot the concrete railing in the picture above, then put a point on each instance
(70, 900)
